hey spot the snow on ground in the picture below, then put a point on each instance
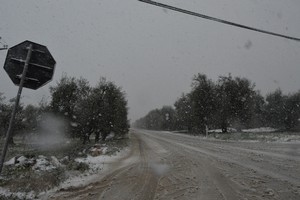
(287, 138)
(11, 161)
(230, 130)
(253, 130)
(17, 195)
(98, 165)
(42, 164)
(260, 130)
(265, 134)
(95, 163)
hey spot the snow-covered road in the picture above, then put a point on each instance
(163, 165)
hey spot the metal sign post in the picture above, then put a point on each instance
(11, 122)
(29, 65)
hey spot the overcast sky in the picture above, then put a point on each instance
(151, 52)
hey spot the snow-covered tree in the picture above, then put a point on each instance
(235, 101)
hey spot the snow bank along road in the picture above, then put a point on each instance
(163, 165)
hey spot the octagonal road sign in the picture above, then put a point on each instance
(40, 67)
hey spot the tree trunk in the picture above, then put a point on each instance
(97, 137)
(11, 140)
(104, 135)
(224, 127)
(86, 138)
(189, 129)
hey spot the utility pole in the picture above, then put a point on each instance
(4, 46)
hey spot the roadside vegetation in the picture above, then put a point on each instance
(230, 103)
(81, 109)
(32, 170)
(55, 140)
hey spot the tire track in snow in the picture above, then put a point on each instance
(276, 175)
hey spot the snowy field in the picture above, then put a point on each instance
(31, 173)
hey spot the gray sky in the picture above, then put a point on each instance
(154, 53)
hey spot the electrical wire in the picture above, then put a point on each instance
(218, 20)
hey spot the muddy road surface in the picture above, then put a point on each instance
(163, 165)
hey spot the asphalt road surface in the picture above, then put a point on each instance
(163, 165)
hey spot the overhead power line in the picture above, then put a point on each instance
(218, 20)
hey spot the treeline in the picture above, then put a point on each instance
(228, 102)
(98, 110)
